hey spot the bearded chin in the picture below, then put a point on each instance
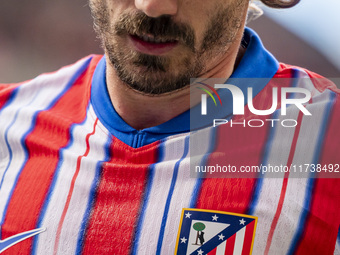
(151, 75)
(156, 75)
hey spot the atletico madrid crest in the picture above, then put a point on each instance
(209, 232)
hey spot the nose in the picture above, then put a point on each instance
(156, 8)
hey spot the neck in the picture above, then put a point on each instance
(141, 111)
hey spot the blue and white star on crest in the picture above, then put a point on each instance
(188, 215)
(200, 252)
(214, 217)
(221, 236)
(183, 240)
(202, 231)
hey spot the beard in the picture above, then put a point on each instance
(154, 75)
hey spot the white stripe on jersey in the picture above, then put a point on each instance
(185, 185)
(8, 118)
(163, 173)
(296, 188)
(162, 176)
(58, 197)
(289, 218)
(81, 192)
(17, 117)
(278, 154)
(265, 211)
(306, 146)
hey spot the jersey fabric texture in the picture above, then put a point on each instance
(70, 165)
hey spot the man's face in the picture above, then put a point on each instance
(158, 50)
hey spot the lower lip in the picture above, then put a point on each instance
(151, 48)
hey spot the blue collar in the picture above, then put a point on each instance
(257, 62)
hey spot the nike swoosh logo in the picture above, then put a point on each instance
(12, 240)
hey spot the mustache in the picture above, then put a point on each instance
(163, 27)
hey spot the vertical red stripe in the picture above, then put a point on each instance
(284, 185)
(236, 146)
(69, 195)
(118, 199)
(248, 238)
(330, 153)
(322, 223)
(240, 146)
(229, 248)
(213, 252)
(43, 145)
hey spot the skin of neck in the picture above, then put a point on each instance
(141, 111)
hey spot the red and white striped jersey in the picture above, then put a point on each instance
(91, 184)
